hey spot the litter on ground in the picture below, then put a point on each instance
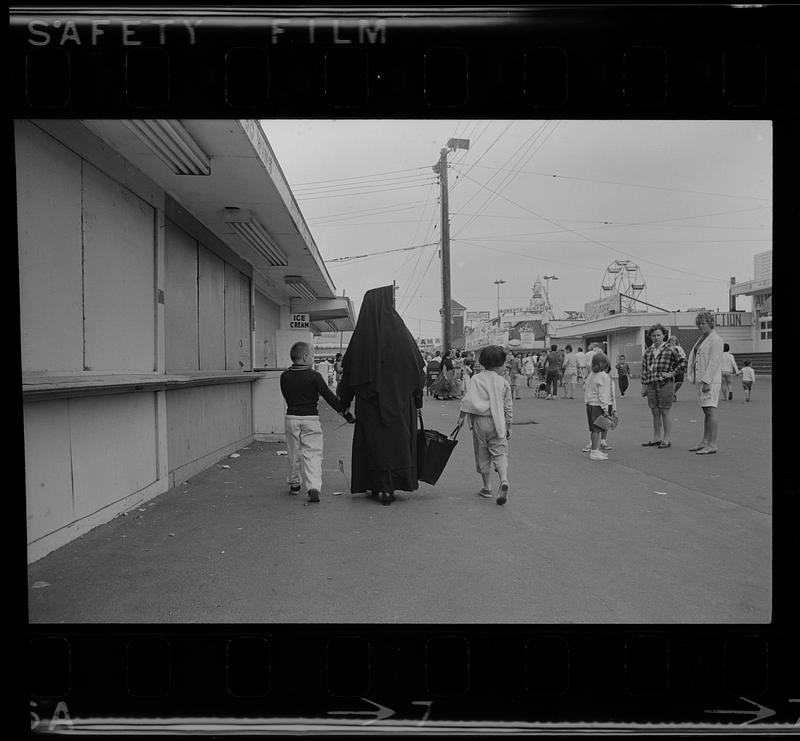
(41, 584)
(233, 455)
(225, 466)
(281, 452)
(662, 493)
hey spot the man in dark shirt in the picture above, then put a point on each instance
(552, 366)
(301, 387)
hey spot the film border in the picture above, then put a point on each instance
(620, 61)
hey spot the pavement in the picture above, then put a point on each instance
(648, 536)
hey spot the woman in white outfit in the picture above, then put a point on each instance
(704, 369)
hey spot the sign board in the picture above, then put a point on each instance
(603, 307)
(299, 321)
(733, 319)
(478, 316)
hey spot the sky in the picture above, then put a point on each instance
(687, 202)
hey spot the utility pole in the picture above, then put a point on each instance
(547, 279)
(498, 283)
(444, 253)
(447, 308)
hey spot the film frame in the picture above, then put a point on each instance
(622, 61)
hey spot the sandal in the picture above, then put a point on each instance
(697, 447)
(652, 443)
(664, 444)
(706, 451)
(485, 493)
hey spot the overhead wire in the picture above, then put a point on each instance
(416, 231)
(527, 155)
(405, 180)
(422, 277)
(597, 242)
(630, 185)
(357, 177)
(348, 258)
(361, 193)
(413, 286)
(373, 211)
(486, 151)
(583, 266)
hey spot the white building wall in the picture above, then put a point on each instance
(86, 460)
(211, 312)
(87, 249)
(50, 252)
(237, 319)
(119, 277)
(268, 321)
(181, 342)
(204, 424)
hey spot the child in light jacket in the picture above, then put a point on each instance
(488, 405)
(597, 394)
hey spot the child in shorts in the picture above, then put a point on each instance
(597, 395)
(488, 406)
(301, 387)
(748, 378)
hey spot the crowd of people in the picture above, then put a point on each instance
(384, 375)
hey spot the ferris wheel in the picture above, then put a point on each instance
(623, 277)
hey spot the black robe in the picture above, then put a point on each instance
(383, 372)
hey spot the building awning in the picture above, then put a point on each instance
(750, 287)
(234, 185)
(327, 315)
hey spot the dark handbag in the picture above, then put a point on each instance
(604, 423)
(433, 451)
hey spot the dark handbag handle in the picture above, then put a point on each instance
(419, 417)
(454, 434)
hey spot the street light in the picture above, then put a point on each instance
(498, 283)
(547, 279)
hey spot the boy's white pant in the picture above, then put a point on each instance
(304, 447)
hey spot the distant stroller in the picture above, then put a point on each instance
(541, 390)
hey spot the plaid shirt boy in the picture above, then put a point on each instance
(668, 361)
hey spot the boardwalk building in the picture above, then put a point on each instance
(164, 271)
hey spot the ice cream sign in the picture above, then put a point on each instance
(299, 321)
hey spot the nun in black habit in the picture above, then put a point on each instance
(382, 370)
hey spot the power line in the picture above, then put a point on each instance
(405, 180)
(382, 252)
(529, 256)
(629, 185)
(528, 156)
(364, 193)
(604, 224)
(357, 177)
(486, 151)
(594, 241)
(405, 206)
(428, 230)
(615, 241)
(579, 265)
(421, 278)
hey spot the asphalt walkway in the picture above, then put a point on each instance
(649, 536)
